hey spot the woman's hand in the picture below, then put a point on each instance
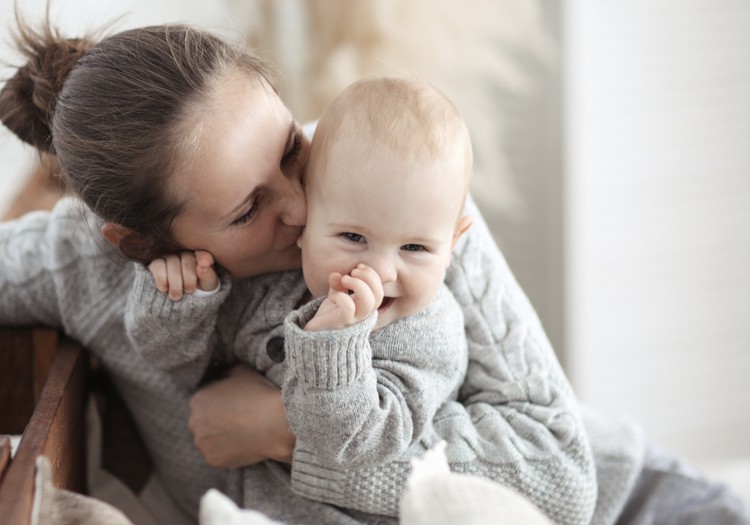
(240, 420)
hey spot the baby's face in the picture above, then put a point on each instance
(396, 216)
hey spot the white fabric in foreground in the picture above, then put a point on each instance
(56, 506)
(435, 496)
(217, 509)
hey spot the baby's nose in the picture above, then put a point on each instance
(386, 269)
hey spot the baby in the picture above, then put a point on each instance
(386, 182)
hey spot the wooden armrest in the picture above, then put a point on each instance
(57, 367)
(4, 455)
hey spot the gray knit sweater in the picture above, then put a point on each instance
(517, 420)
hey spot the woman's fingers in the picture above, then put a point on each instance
(240, 420)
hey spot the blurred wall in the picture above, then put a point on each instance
(657, 236)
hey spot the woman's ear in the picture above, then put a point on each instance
(130, 243)
(463, 225)
(115, 233)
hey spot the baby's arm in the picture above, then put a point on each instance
(357, 400)
(174, 331)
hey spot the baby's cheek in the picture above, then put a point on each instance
(427, 289)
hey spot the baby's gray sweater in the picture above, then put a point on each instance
(518, 421)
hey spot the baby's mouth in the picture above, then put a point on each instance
(385, 305)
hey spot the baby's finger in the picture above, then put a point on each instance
(345, 304)
(371, 277)
(363, 297)
(174, 277)
(158, 269)
(335, 284)
(189, 272)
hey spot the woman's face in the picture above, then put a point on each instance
(241, 188)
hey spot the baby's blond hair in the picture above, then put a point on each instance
(406, 117)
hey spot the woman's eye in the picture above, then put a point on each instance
(294, 150)
(353, 237)
(414, 248)
(248, 215)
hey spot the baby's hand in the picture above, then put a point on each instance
(184, 273)
(350, 299)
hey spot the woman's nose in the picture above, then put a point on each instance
(294, 205)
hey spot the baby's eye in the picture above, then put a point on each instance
(414, 248)
(353, 237)
(248, 215)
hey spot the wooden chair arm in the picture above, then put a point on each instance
(56, 427)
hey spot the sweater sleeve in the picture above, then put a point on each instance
(516, 421)
(57, 271)
(175, 336)
(358, 399)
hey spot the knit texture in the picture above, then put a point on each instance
(357, 398)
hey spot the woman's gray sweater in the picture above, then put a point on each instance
(518, 422)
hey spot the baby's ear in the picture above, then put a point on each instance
(463, 225)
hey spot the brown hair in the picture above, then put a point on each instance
(113, 113)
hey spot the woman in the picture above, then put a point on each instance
(176, 140)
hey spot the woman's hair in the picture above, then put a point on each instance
(116, 114)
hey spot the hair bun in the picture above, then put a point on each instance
(27, 101)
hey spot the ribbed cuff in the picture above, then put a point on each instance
(328, 358)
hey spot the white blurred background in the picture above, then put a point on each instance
(613, 164)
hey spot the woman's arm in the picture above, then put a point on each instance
(52, 269)
(517, 420)
(358, 398)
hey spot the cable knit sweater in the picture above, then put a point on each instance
(517, 421)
